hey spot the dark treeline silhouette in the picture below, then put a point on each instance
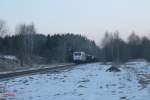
(116, 49)
(53, 48)
(61, 47)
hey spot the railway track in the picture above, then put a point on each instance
(7, 75)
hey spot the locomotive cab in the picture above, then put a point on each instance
(79, 57)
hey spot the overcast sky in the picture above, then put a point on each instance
(88, 17)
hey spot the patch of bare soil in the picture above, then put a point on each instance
(114, 68)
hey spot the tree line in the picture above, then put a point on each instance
(55, 48)
(28, 46)
(115, 48)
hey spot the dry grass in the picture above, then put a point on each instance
(145, 81)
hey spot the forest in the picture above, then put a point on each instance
(29, 46)
(115, 48)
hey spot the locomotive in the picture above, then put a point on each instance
(82, 57)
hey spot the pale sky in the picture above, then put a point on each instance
(87, 17)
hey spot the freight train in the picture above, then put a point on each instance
(82, 57)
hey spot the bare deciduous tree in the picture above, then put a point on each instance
(26, 33)
(3, 29)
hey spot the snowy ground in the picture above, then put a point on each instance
(84, 82)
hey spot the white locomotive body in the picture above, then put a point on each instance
(82, 57)
(79, 56)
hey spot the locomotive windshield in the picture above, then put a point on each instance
(77, 54)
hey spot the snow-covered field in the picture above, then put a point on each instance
(84, 82)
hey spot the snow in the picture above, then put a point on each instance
(10, 57)
(83, 82)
